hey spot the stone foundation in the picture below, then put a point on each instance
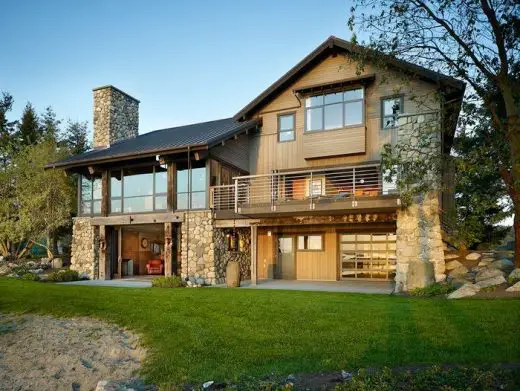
(223, 255)
(197, 248)
(84, 248)
(419, 240)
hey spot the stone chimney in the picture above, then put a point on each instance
(116, 116)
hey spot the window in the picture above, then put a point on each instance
(310, 242)
(390, 110)
(335, 110)
(137, 190)
(316, 187)
(90, 194)
(192, 186)
(286, 127)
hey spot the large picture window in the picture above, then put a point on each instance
(334, 111)
(192, 186)
(90, 196)
(138, 190)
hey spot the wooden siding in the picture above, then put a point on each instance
(234, 152)
(267, 154)
(334, 143)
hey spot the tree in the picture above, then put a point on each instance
(6, 127)
(29, 130)
(477, 41)
(50, 125)
(76, 137)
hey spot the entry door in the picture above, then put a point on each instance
(285, 261)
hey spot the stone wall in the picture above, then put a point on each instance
(85, 257)
(197, 248)
(223, 255)
(420, 250)
(116, 116)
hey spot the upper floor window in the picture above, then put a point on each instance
(391, 107)
(90, 194)
(192, 186)
(137, 190)
(286, 127)
(334, 111)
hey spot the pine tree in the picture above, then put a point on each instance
(50, 125)
(29, 130)
(7, 127)
(76, 137)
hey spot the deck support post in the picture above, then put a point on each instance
(254, 241)
(119, 252)
(104, 263)
(168, 244)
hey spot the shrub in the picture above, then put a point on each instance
(436, 289)
(31, 277)
(168, 282)
(20, 270)
(63, 275)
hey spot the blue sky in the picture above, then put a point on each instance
(188, 61)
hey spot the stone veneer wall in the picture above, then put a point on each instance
(116, 116)
(419, 239)
(84, 257)
(223, 256)
(198, 248)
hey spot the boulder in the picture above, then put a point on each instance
(57, 263)
(453, 265)
(233, 274)
(459, 282)
(485, 262)
(473, 256)
(460, 271)
(466, 290)
(491, 282)
(514, 276)
(4, 270)
(514, 288)
(420, 275)
(440, 277)
(450, 256)
(503, 264)
(485, 274)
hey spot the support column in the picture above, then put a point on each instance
(168, 244)
(104, 264)
(254, 241)
(172, 186)
(104, 193)
(119, 253)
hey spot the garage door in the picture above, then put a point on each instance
(367, 255)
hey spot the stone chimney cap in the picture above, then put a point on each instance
(117, 89)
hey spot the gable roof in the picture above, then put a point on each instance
(334, 45)
(200, 135)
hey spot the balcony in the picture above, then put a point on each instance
(316, 191)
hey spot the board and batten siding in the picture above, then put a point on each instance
(335, 147)
(234, 152)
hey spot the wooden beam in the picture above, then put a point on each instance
(172, 186)
(254, 244)
(104, 264)
(104, 193)
(238, 223)
(149, 218)
(119, 252)
(168, 244)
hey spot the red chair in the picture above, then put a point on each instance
(154, 266)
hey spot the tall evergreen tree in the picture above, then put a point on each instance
(7, 127)
(50, 125)
(76, 137)
(29, 130)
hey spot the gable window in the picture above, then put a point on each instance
(90, 194)
(391, 108)
(286, 127)
(310, 242)
(334, 111)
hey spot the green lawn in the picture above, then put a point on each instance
(218, 334)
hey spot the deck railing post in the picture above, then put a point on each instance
(236, 195)
(310, 189)
(354, 182)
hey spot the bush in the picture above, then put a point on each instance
(63, 275)
(436, 289)
(168, 282)
(435, 379)
(31, 277)
(20, 270)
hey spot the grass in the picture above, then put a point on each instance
(195, 335)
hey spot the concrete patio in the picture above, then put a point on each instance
(361, 286)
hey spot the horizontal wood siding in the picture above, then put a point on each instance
(267, 154)
(234, 152)
(334, 143)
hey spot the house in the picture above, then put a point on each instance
(290, 187)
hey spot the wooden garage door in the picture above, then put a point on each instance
(367, 255)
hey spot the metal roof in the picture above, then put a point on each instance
(204, 134)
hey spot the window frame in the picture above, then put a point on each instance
(92, 200)
(122, 197)
(342, 102)
(189, 193)
(306, 240)
(280, 130)
(382, 109)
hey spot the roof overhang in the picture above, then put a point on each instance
(314, 88)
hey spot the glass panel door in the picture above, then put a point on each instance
(285, 263)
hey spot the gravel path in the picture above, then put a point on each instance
(47, 353)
